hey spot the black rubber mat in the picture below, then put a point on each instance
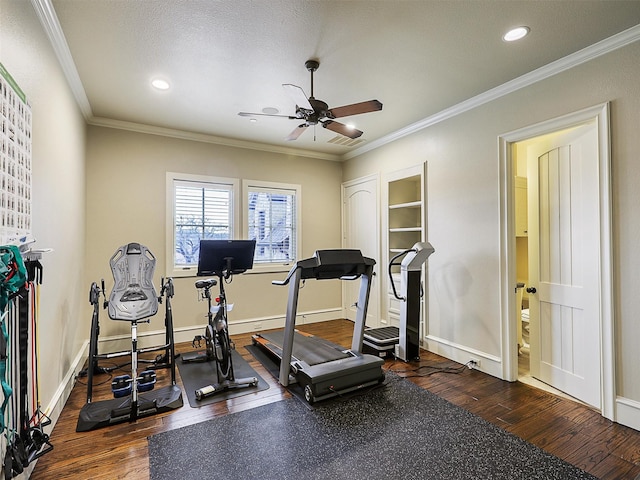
(397, 432)
(197, 375)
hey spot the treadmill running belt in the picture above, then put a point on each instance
(311, 350)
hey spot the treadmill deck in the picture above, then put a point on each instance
(333, 370)
(309, 349)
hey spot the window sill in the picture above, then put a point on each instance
(257, 269)
(271, 268)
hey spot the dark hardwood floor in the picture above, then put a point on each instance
(569, 430)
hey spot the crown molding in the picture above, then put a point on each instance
(201, 137)
(591, 52)
(49, 20)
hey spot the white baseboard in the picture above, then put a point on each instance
(489, 364)
(186, 334)
(183, 334)
(54, 409)
(61, 395)
(628, 412)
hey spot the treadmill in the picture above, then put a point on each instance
(322, 368)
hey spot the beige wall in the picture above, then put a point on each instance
(58, 147)
(463, 201)
(126, 203)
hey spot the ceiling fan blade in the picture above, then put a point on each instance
(297, 95)
(356, 109)
(299, 130)
(249, 114)
(342, 129)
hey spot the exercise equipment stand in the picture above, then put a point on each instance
(132, 299)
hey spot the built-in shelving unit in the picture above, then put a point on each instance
(404, 196)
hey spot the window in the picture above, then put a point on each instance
(198, 208)
(272, 220)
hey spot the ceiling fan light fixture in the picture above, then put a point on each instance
(516, 34)
(160, 84)
(313, 112)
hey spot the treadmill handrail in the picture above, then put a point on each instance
(288, 278)
(351, 277)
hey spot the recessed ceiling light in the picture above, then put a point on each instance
(516, 34)
(160, 84)
(253, 120)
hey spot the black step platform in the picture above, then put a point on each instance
(381, 340)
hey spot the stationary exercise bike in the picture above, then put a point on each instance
(222, 258)
(133, 299)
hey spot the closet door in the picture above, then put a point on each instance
(360, 230)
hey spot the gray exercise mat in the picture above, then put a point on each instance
(397, 432)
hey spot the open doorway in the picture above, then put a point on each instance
(558, 270)
(524, 290)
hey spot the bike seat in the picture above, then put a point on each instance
(208, 283)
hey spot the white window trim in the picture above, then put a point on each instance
(257, 184)
(236, 206)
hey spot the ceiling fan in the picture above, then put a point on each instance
(314, 111)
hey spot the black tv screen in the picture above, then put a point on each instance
(224, 257)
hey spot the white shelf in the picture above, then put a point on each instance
(404, 224)
(406, 229)
(416, 204)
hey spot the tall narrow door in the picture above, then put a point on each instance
(361, 231)
(564, 270)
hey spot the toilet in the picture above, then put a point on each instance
(522, 319)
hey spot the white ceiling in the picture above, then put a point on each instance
(221, 57)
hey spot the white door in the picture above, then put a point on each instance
(361, 231)
(564, 268)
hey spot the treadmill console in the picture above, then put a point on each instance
(327, 264)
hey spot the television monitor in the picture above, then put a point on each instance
(225, 257)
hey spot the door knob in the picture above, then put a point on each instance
(531, 290)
